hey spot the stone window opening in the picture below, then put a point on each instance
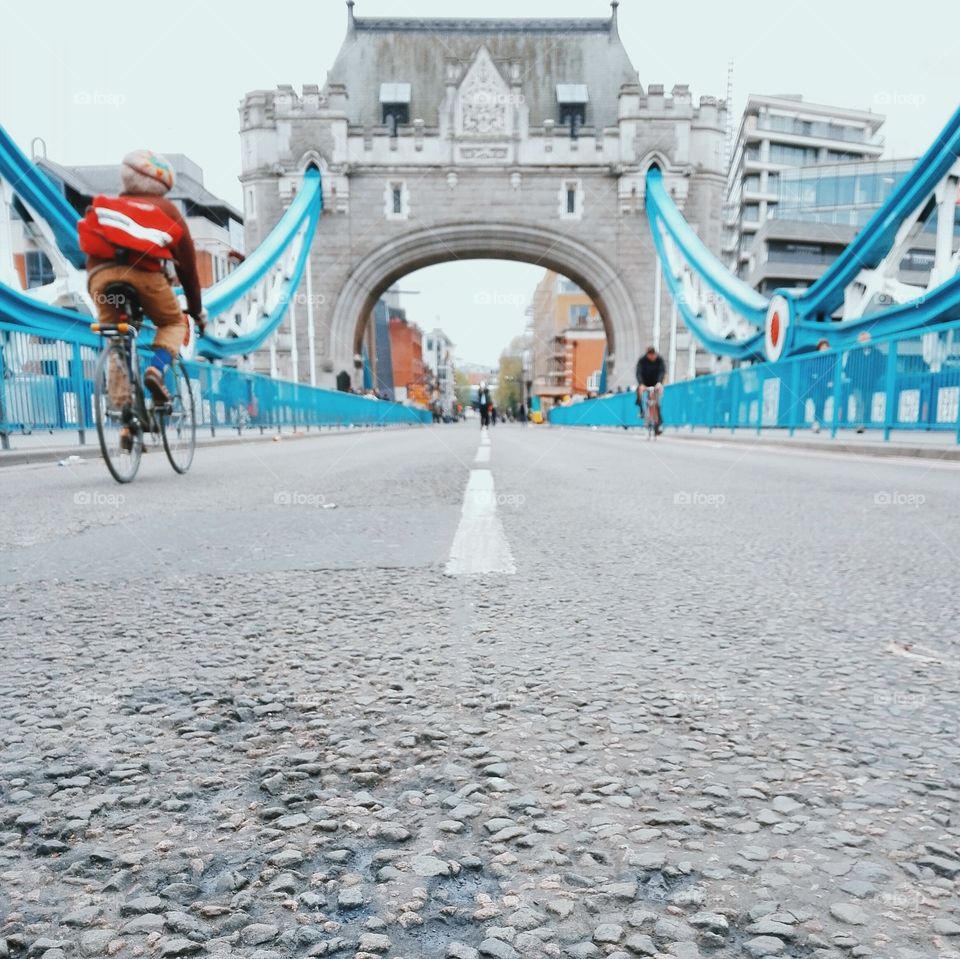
(572, 99)
(393, 115)
(396, 200)
(573, 116)
(570, 197)
(394, 105)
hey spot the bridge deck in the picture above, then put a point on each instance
(722, 680)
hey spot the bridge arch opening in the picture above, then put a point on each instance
(564, 252)
(434, 335)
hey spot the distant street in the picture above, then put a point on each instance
(403, 694)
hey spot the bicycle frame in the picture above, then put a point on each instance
(650, 399)
(124, 344)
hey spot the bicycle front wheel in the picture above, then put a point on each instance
(178, 424)
(121, 439)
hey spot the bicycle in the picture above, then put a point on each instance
(650, 409)
(123, 411)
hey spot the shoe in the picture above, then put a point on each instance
(126, 440)
(153, 380)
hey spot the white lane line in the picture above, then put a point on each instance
(483, 455)
(480, 544)
(484, 438)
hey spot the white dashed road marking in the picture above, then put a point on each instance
(480, 544)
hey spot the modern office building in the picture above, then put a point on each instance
(819, 210)
(778, 133)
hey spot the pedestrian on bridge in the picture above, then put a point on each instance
(483, 402)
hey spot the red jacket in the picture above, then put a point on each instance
(184, 254)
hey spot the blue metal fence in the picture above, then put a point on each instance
(902, 382)
(47, 384)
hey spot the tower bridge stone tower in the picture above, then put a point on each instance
(449, 139)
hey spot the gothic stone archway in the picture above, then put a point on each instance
(418, 248)
(520, 139)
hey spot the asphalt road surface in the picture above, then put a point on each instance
(402, 694)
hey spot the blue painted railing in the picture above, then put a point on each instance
(819, 301)
(298, 224)
(46, 383)
(805, 315)
(42, 196)
(900, 382)
(663, 212)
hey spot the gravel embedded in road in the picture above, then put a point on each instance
(752, 752)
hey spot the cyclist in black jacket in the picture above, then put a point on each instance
(651, 372)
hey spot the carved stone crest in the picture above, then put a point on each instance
(483, 100)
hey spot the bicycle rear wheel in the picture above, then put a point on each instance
(113, 403)
(178, 424)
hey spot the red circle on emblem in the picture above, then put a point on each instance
(775, 329)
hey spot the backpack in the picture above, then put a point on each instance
(113, 227)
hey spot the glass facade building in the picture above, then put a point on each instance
(818, 211)
(845, 194)
(778, 134)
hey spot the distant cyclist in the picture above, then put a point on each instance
(137, 238)
(651, 372)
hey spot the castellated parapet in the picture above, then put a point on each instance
(514, 139)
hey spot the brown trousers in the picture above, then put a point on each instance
(156, 297)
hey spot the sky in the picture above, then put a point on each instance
(71, 74)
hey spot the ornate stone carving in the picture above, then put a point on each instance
(483, 100)
(483, 153)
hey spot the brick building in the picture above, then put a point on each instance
(569, 342)
(406, 354)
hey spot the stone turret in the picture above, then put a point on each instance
(527, 139)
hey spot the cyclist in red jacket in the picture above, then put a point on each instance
(133, 239)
